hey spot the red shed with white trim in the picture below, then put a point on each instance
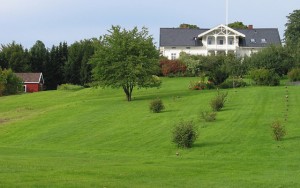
(32, 82)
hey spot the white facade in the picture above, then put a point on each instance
(220, 39)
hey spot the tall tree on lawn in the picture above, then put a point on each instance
(126, 59)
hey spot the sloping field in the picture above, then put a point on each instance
(94, 138)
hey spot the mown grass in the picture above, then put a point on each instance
(94, 138)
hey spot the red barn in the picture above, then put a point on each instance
(32, 82)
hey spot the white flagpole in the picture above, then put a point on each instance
(226, 12)
(226, 27)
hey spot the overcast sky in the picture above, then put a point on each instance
(54, 21)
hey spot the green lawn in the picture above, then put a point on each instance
(94, 138)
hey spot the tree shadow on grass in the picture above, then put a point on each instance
(176, 95)
(168, 111)
(292, 138)
(209, 144)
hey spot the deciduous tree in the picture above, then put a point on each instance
(15, 57)
(237, 25)
(188, 26)
(9, 83)
(292, 32)
(126, 59)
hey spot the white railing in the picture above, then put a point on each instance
(221, 47)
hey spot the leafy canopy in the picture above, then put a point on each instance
(237, 25)
(126, 59)
(9, 82)
(292, 32)
(188, 26)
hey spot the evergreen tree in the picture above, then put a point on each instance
(38, 56)
(54, 74)
(77, 68)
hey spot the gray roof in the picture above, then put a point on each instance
(31, 77)
(271, 36)
(186, 37)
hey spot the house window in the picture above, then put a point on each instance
(188, 47)
(252, 40)
(221, 42)
(263, 41)
(209, 41)
(173, 56)
(230, 41)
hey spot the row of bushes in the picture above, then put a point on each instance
(271, 78)
(69, 87)
(185, 133)
(219, 68)
(265, 77)
(262, 77)
(229, 83)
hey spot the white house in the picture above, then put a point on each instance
(221, 39)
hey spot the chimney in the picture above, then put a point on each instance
(250, 26)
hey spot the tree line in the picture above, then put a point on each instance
(81, 62)
(59, 64)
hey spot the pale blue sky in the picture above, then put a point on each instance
(54, 21)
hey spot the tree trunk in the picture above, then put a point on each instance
(128, 91)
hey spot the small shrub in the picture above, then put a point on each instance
(208, 116)
(185, 134)
(278, 130)
(294, 75)
(200, 85)
(265, 77)
(156, 106)
(69, 87)
(218, 102)
(217, 76)
(230, 83)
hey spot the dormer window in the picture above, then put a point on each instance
(252, 40)
(263, 40)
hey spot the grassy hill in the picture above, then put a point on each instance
(94, 138)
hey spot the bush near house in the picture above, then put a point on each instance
(233, 83)
(172, 67)
(201, 85)
(265, 77)
(294, 75)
